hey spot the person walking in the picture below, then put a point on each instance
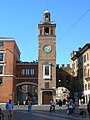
(60, 104)
(52, 105)
(9, 108)
(29, 106)
(70, 107)
(88, 109)
(76, 107)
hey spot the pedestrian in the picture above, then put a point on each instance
(24, 102)
(9, 108)
(88, 109)
(60, 104)
(76, 108)
(52, 105)
(18, 103)
(70, 107)
(29, 106)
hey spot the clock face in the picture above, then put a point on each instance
(47, 48)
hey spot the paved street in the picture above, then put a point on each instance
(41, 113)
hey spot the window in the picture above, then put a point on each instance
(87, 56)
(23, 72)
(88, 72)
(1, 56)
(88, 86)
(47, 71)
(1, 43)
(0, 80)
(32, 71)
(1, 69)
(84, 58)
(85, 87)
(46, 84)
(27, 71)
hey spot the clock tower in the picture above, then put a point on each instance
(46, 60)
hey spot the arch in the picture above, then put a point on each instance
(46, 32)
(26, 83)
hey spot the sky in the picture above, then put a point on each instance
(19, 19)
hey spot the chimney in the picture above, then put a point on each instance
(68, 65)
(62, 65)
(79, 48)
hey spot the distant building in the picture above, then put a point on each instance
(80, 64)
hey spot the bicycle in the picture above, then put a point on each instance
(1, 115)
(82, 113)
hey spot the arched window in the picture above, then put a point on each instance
(46, 31)
(47, 19)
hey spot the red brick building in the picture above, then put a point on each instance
(9, 55)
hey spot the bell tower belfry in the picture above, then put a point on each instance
(46, 60)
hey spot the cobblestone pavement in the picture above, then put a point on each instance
(42, 113)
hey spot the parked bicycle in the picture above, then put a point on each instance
(1, 115)
(82, 113)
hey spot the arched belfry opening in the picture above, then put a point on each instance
(46, 16)
(46, 31)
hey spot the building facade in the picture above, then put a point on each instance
(9, 55)
(80, 63)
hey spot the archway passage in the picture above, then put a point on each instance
(26, 90)
(63, 94)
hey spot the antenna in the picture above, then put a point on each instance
(47, 4)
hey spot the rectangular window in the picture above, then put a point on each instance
(27, 71)
(1, 69)
(46, 84)
(84, 58)
(47, 71)
(23, 72)
(1, 43)
(88, 72)
(32, 71)
(85, 87)
(87, 56)
(88, 86)
(1, 56)
(0, 80)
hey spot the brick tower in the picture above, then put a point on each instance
(46, 60)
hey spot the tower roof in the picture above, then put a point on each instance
(46, 11)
